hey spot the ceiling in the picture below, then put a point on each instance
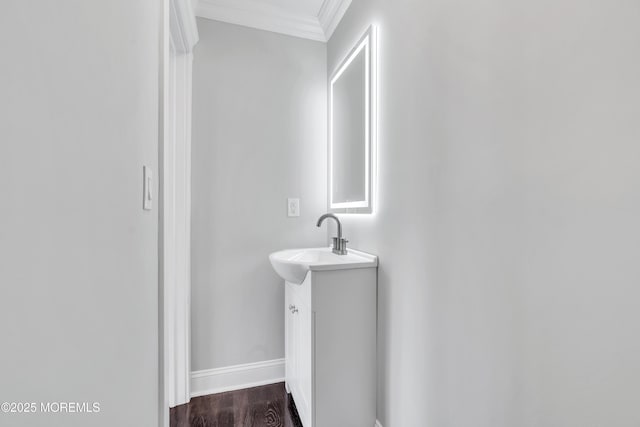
(301, 7)
(310, 19)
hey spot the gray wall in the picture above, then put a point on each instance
(259, 132)
(507, 223)
(78, 256)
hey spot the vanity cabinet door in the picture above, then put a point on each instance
(298, 349)
(289, 340)
(304, 350)
(293, 336)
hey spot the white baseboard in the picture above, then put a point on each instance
(219, 380)
(378, 424)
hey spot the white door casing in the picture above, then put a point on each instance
(176, 200)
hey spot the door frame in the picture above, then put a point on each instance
(175, 201)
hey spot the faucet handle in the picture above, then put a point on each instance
(339, 246)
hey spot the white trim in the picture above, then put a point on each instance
(163, 136)
(184, 30)
(264, 16)
(219, 380)
(378, 423)
(177, 227)
(176, 204)
(330, 15)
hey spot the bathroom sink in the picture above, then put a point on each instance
(293, 264)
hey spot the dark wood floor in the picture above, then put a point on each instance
(267, 406)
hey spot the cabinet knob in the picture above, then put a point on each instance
(293, 309)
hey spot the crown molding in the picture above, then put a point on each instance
(182, 23)
(256, 14)
(330, 15)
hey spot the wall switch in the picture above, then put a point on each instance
(147, 188)
(293, 207)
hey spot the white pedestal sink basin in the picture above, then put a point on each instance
(293, 264)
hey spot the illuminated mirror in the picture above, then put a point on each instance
(352, 130)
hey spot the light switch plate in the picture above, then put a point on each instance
(293, 207)
(147, 188)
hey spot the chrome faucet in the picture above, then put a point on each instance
(339, 244)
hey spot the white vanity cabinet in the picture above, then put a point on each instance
(330, 345)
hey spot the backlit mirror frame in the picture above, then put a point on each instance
(368, 43)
